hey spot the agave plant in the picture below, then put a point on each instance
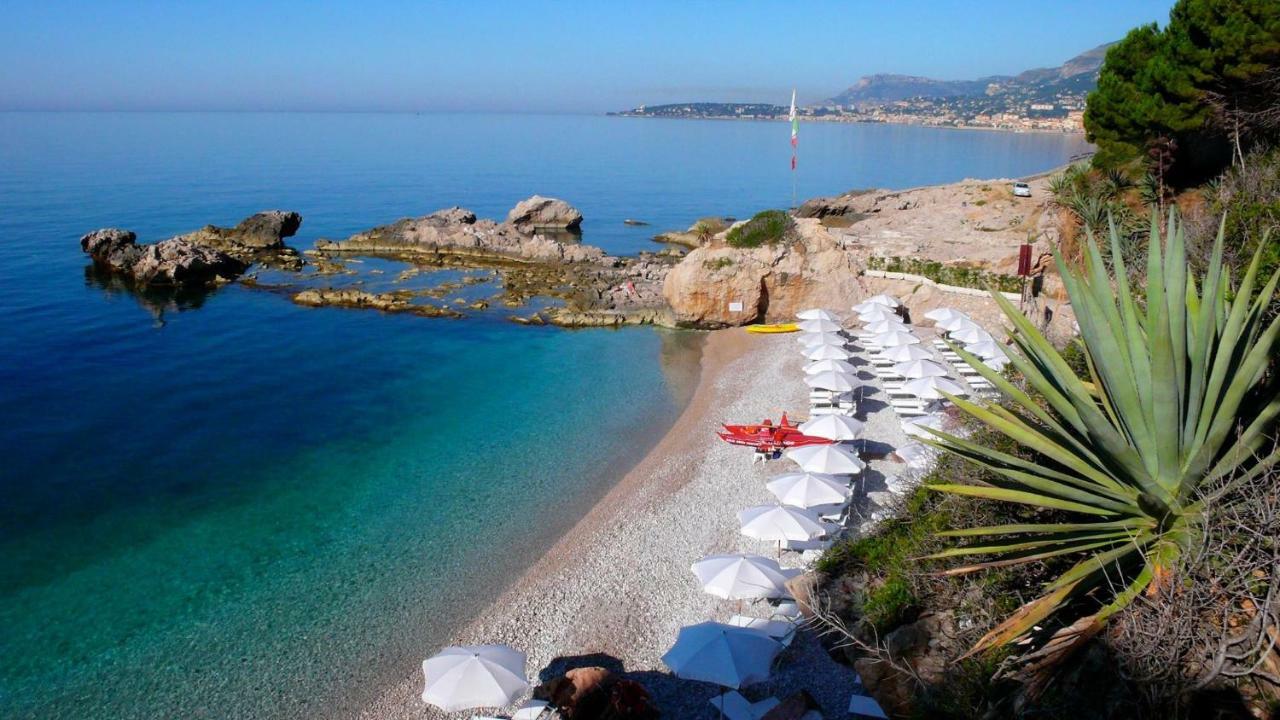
(1176, 404)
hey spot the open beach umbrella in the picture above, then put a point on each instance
(833, 427)
(956, 323)
(931, 388)
(741, 576)
(987, 350)
(827, 352)
(807, 490)
(904, 353)
(817, 314)
(875, 313)
(820, 326)
(821, 366)
(722, 654)
(839, 382)
(780, 522)
(886, 300)
(971, 334)
(831, 459)
(913, 369)
(895, 338)
(943, 316)
(810, 339)
(461, 678)
(886, 325)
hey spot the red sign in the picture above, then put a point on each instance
(1024, 260)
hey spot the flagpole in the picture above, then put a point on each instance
(795, 132)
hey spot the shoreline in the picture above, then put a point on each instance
(1015, 131)
(616, 586)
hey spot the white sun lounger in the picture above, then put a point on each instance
(531, 710)
(736, 707)
(781, 630)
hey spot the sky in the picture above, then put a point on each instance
(444, 56)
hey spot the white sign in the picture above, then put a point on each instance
(735, 307)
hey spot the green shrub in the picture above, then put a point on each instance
(764, 228)
(955, 275)
(718, 263)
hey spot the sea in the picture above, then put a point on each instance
(231, 506)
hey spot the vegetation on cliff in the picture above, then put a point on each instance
(768, 227)
(1193, 97)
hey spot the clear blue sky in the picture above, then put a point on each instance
(518, 56)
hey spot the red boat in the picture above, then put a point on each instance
(769, 437)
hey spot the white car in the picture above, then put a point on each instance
(1021, 189)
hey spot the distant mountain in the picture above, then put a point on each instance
(1078, 74)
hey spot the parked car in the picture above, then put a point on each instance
(1021, 189)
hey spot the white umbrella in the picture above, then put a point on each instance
(827, 352)
(740, 576)
(833, 459)
(956, 323)
(722, 654)
(821, 366)
(810, 339)
(886, 325)
(460, 678)
(780, 522)
(942, 316)
(970, 335)
(987, 350)
(876, 313)
(903, 353)
(808, 490)
(895, 338)
(820, 326)
(931, 388)
(817, 314)
(833, 427)
(886, 300)
(920, 368)
(840, 382)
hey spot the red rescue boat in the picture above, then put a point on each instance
(767, 436)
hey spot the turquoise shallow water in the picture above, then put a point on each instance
(236, 507)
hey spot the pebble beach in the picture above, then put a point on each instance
(615, 589)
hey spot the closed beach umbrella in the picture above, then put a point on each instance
(904, 353)
(895, 338)
(819, 326)
(943, 316)
(817, 314)
(931, 388)
(780, 522)
(821, 366)
(971, 334)
(830, 459)
(722, 654)
(987, 350)
(839, 382)
(827, 352)
(741, 576)
(886, 325)
(833, 427)
(920, 368)
(808, 490)
(821, 338)
(461, 678)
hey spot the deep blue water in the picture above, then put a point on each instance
(244, 508)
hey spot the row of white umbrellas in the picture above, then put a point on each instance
(962, 329)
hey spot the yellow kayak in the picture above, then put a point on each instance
(774, 328)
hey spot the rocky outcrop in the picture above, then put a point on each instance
(699, 233)
(174, 263)
(720, 286)
(543, 213)
(457, 232)
(262, 231)
(387, 302)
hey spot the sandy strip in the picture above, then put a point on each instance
(618, 585)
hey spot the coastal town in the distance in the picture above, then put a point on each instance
(1039, 100)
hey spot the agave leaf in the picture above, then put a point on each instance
(1021, 497)
(1027, 617)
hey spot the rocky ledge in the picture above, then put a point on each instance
(209, 256)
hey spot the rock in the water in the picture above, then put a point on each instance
(262, 231)
(543, 213)
(634, 223)
(175, 262)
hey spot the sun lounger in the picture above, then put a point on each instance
(801, 545)
(781, 630)
(865, 706)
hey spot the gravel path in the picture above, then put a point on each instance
(617, 588)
